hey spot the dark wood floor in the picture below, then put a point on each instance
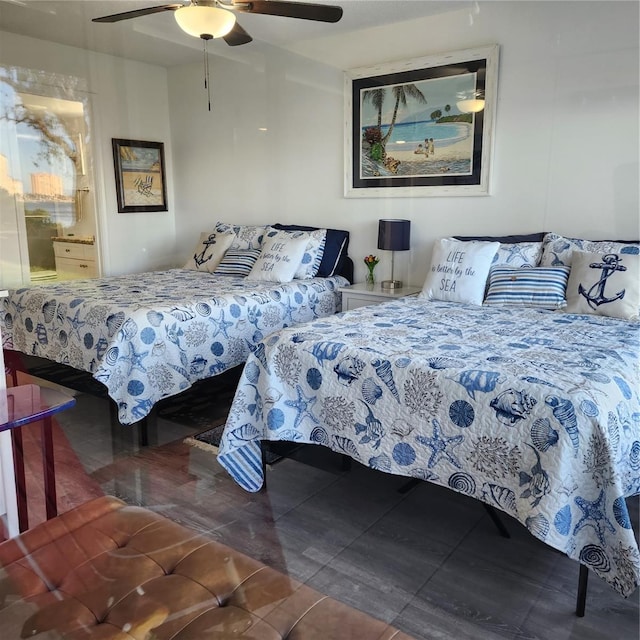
(429, 561)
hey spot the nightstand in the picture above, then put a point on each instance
(362, 294)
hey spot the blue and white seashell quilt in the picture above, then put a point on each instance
(534, 412)
(152, 335)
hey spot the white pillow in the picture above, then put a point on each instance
(459, 271)
(209, 251)
(618, 296)
(313, 252)
(280, 257)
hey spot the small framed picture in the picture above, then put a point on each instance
(140, 176)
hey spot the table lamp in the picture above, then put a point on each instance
(393, 235)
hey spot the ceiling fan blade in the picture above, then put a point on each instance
(302, 10)
(127, 15)
(237, 36)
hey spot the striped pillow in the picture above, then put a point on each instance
(237, 262)
(541, 287)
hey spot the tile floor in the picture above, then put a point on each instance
(426, 560)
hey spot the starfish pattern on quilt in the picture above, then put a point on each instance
(441, 446)
(593, 515)
(303, 406)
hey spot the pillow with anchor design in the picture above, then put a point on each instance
(606, 284)
(209, 251)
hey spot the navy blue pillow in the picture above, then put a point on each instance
(336, 246)
(529, 237)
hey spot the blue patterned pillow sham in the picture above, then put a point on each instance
(247, 236)
(237, 262)
(514, 251)
(557, 250)
(541, 287)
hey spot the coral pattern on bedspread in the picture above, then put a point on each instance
(152, 335)
(534, 412)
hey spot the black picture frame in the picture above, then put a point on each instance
(140, 175)
(415, 101)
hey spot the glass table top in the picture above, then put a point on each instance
(29, 403)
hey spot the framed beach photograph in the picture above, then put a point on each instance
(140, 176)
(421, 127)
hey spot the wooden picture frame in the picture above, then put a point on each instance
(421, 127)
(140, 175)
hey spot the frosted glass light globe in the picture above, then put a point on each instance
(201, 21)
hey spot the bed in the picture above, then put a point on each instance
(530, 410)
(152, 335)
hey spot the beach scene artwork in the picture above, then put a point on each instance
(415, 129)
(140, 175)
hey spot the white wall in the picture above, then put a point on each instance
(566, 139)
(129, 100)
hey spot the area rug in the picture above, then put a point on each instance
(209, 441)
(205, 405)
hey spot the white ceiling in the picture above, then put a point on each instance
(157, 39)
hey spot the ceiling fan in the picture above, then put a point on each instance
(209, 19)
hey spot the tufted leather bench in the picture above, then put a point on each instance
(105, 570)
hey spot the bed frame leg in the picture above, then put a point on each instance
(148, 429)
(581, 600)
(493, 514)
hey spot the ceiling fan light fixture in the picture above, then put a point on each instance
(470, 106)
(199, 21)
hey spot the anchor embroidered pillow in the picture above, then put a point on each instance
(606, 284)
(209, 251)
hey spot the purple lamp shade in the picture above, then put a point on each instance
(394, 235)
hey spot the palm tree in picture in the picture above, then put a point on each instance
(402, 92)
(376, 97)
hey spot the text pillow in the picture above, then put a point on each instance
(313, 252)
(541, 287)
(279, 258)
(209, 251)
(335, 247)
(459, 271)
(607, 284)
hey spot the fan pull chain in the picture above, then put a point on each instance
(207, 79)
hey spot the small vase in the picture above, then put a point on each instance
(370, 279)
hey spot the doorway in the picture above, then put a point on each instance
(47, 205)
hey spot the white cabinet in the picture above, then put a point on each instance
(362, 295)
(75, 260)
